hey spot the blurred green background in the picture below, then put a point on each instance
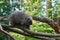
(43, 8)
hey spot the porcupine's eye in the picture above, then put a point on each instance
(29, 21)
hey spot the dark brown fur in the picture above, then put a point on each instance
(20, 19)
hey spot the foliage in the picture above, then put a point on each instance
(33, 7)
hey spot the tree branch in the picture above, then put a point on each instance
(41, 19)
(36, 34)
(31, 33)
(3, 18)
(23, 33)
(48, 21)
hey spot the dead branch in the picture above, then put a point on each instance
(35, 33)
(48, 21)
(8, 27)
(5, 32)
(3, 18)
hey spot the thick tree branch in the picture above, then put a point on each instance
(23, 33)
(48, 21)
(3, 18)
(36, 33)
